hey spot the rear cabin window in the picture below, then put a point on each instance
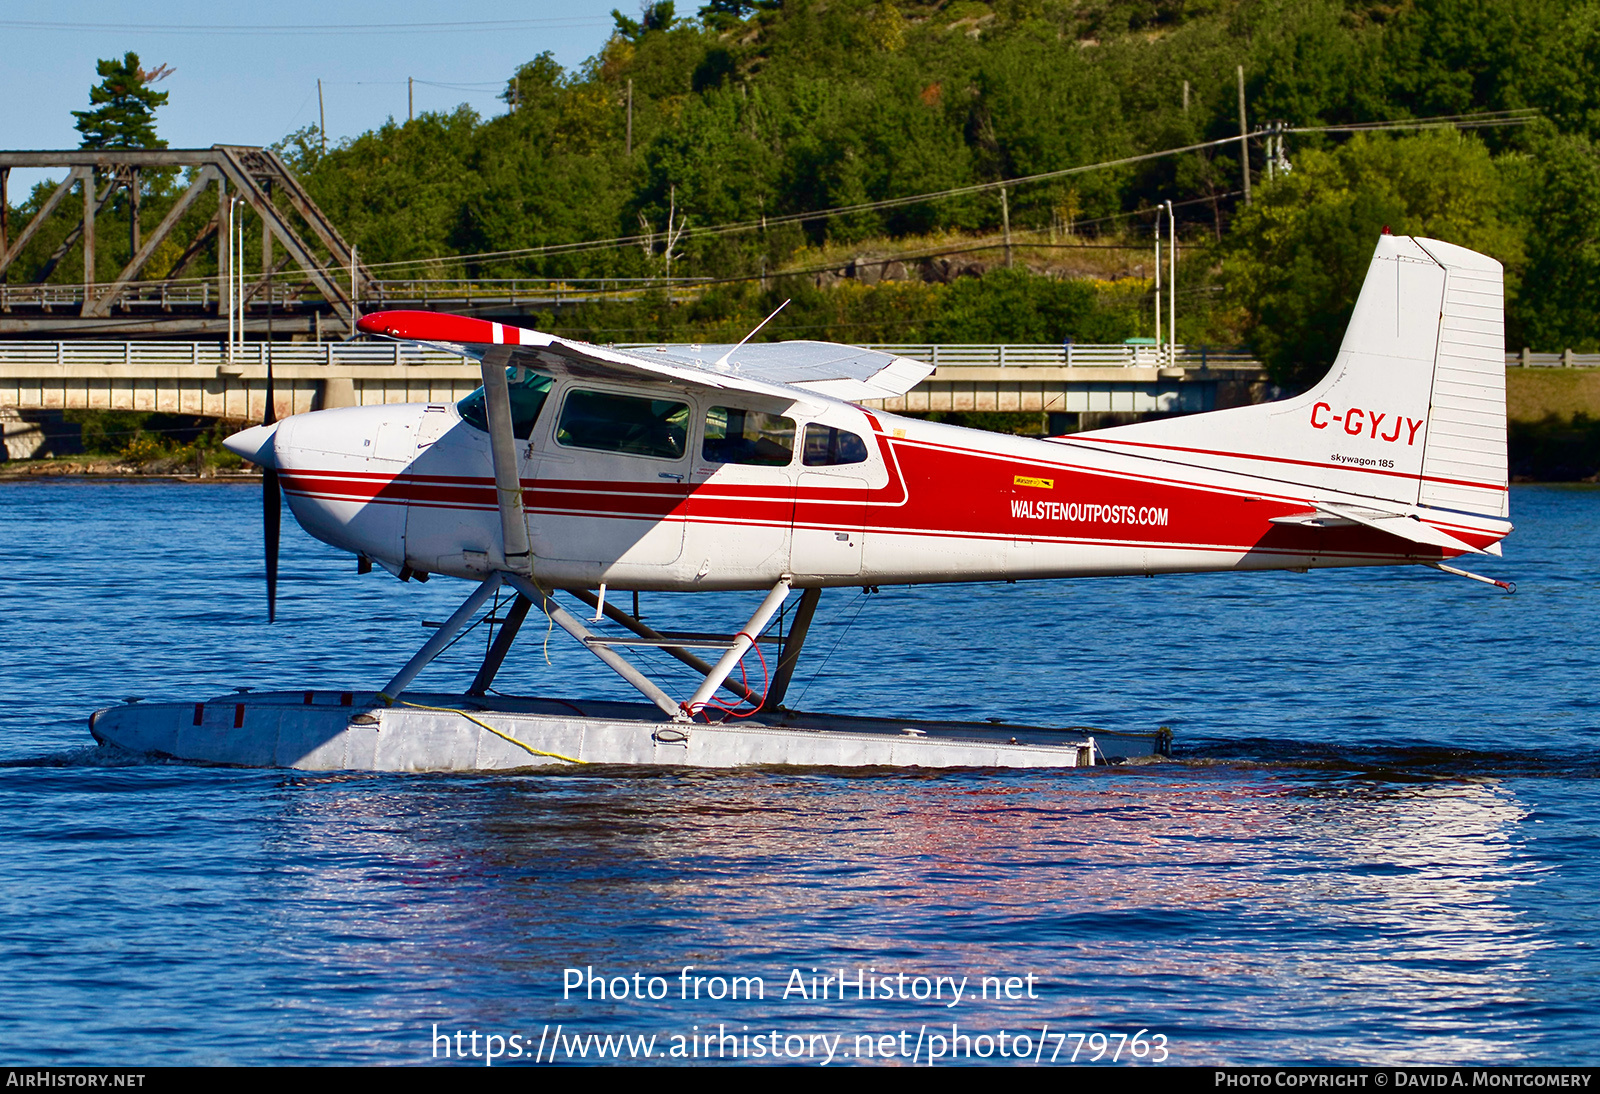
(830, 447)
(628, 424)
(734, 435)
(528, 392)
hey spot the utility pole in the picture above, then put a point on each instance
(1158, 283)
(1005, 220)
(1172, 285)
(322, 118)
(411, 99)
(630, 116)
(1244, 140)
(1186, 96)
(238, 271)
(226, 267)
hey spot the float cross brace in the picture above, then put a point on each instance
(531, 594)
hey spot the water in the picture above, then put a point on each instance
(1374, 844)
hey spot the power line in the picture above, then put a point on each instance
(1492, 119)
(311, 29)
(1489, 119)
(498, 85)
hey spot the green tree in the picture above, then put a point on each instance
(657, 16)
(1013, 305)
(123, 106)
(396, 192)
(1297, 258)
(1559, 202)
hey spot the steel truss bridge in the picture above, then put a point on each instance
(312, 272)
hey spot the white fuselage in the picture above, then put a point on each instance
(412, 486)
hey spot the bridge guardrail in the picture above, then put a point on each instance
(1564, 359)
(159, 353)
(26, 352)
(1071, 355)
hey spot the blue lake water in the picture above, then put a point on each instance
(1374, 844)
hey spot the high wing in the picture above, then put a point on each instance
(765, 368)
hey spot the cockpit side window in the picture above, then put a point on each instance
(635, 426)
(528, 389)
(736, 435)
(829, 447)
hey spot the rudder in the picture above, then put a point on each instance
(1465, 464)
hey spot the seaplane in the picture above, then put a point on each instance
(598, 473)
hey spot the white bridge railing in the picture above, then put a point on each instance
(159, 354)
(1564, 359)
(367, 355)
(1070, 355)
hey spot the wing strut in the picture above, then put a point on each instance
(507, 479)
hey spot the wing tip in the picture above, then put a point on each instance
(431, 326)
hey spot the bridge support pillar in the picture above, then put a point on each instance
(337, 391)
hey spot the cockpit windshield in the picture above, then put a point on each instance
(529, 390)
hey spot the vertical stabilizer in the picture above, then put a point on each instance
(1413, 410)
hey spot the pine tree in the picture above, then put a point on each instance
(123, 113)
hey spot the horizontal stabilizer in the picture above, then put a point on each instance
(1327, 515)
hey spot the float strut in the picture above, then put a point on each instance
(791, 648)
(619, 664)
(741, 644)
(502, 645)
(617, 615)
(441, 638)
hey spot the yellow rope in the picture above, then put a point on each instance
(478, 721)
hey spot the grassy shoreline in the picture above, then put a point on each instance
(114, 467)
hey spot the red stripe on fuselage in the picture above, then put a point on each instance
(1283, 460)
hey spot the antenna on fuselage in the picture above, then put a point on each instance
(723, 360)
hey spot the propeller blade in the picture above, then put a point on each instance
(256, 445)
(271, 496)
